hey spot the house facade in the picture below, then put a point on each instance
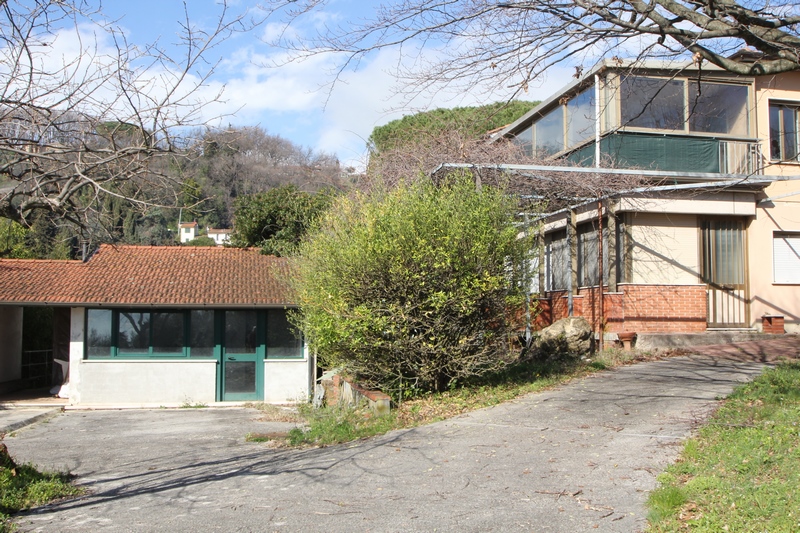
(710, 239)
(164, 325)
(219, 236)
(188, 231)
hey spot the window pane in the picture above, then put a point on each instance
(168, 332)
(281, 339)
(775, 132)
(718, 108)
(524, 140)
(201, 337)
(789, 133)
(240, 331)
(558, 263)
(580, 118)
(652, 103)
(588, 252)
(98, 333)
(549, 133)
(134, 332)
(240, 377)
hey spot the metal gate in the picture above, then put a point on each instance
(725, 272)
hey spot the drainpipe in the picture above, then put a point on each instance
(597, 121)
(601, 318)
(572, 245)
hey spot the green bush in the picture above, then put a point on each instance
(413, 288)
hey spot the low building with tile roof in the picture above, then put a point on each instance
(151, 325)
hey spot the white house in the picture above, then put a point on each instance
(188, 231)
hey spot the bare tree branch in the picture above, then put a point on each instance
(74, 129)
(511, 43)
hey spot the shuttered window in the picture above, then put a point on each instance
(786, 257)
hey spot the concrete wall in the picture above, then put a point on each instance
(664, 249)
(10, 344)
(287, 381)
(141, 382)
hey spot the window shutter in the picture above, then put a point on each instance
(786, 257)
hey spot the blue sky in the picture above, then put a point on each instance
(293, 100)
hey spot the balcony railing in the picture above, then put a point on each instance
(737, 157)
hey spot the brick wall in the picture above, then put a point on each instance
(640, 308)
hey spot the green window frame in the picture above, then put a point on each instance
(146, 334)
(143, 334)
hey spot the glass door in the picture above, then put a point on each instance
(725, 272)
(242, 357)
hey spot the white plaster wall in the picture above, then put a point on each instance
(148, 382)
(10, 343)
(766, 296)
(286, 381)
(76, 339)
(664, 249)
(717, 203)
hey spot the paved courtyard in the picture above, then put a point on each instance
(581, 457)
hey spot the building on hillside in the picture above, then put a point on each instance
(140, 331)
(219, 236)
(713, 240)
(188, 231)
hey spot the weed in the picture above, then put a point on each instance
(187, 404)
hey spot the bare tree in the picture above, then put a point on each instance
(75, 128)
(511, 43)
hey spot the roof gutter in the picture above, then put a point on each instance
(688, 176)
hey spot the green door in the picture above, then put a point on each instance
(242, 366)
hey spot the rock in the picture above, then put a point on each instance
(569, 337)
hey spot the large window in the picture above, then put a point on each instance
(98, 332)
(786, 257)
(783, 126)
(548, 133)
(588, 252)
(557, 262)
(685, 106)
(581, 118)
(718, 108)
(282, 341)
(135, 333)
(652, 103)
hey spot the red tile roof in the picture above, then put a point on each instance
(161, 276)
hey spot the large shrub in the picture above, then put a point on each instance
(413, 288)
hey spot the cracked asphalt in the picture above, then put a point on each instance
(581, 457)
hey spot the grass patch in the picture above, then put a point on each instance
(23, 487)
(334, 425)
(740, 473)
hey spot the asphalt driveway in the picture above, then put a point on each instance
(578, 458)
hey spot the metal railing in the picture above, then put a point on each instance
(37, 368)
(737, 157)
